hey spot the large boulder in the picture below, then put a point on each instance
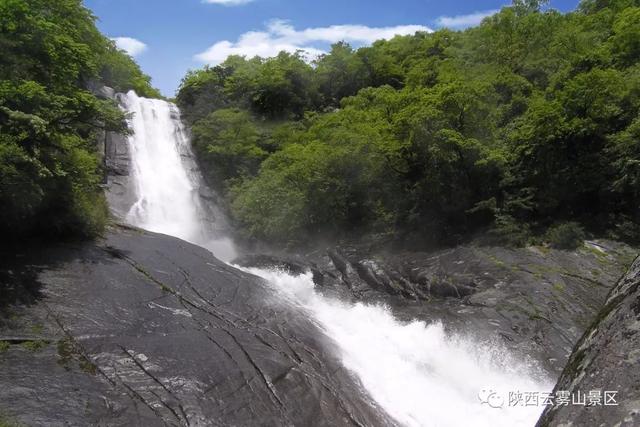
(604, 365)
(145, 329)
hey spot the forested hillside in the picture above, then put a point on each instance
(49, 173)
(522, 128)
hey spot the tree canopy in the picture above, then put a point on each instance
(50, 175)
(530, 119)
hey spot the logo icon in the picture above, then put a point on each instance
(491, 398)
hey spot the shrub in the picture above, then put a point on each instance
(508, 232)
(626, 230)
(567, 235)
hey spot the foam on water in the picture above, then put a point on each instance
(416, 372)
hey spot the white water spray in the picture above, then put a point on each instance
(417, 373)
(167, 183)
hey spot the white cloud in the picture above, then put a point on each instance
(228, 2)
(281, 35)
(132, 46)
(464, 21)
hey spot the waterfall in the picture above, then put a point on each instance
(166, 181)
(417, 373)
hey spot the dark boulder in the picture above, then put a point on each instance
(145, 329)
(99, 90)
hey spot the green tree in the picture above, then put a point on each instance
(528, 120)
(284, 87)
(49, 172)
(340, 73)
(626, 35)
(229, 145)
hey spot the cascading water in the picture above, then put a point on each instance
(167, 184)
(417, 373)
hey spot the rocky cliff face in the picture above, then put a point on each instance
(536, 301)
(114, 151)
(119, 184)
(606, 360)
(145, 329)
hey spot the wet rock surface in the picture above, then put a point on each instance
(536, 301)
(145, 329)
(119, 187)
(606, 359)
(114, 151)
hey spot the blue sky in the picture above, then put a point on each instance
(169, 37)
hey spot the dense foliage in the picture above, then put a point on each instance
(529, 120)
(49, 173)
